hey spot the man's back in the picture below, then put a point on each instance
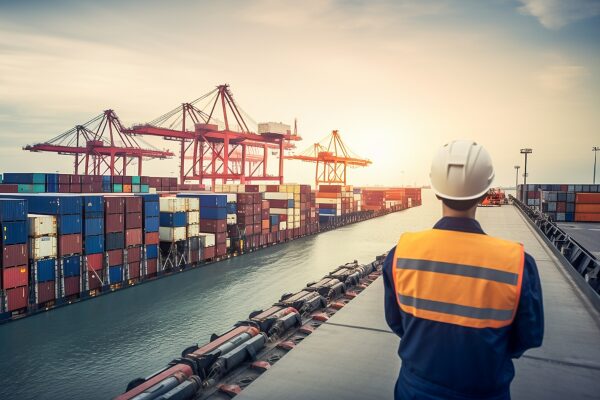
(448, 356)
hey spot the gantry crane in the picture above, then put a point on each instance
(216, 142)
(332, 160)
(100, 146)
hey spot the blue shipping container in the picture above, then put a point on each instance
(175, 220)
(93, 204)
(93, 244)
(115, 240)
(231, 208)
(151, 224)
(151, 209)
(50, 204)
(69, 224)
(71, 266)
(17, 177)
(151, 251)
(213, 213)
(13, 210)
(208, 199)
(274, 220)
(115, 274)
(45, 269)
(150, 197)
(14, 232)
(93, 226)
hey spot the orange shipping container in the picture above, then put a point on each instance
(587, 217)
(587, 208)
(587, 198)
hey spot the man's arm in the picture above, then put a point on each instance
(528, 326)
(392, 312)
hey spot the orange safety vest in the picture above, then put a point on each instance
(460, 278)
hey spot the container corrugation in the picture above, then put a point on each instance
(151, 251)
(214, 213)
(193, 230)
(114, 205)
(72, 285)
(114, 240)
(69, 244)
(213, 225)
(13, 277)
(93, 204)
(42, 247)
(16, 298)
(14, 232)
(133, 220)
(152, 266)
(134, 270)
(151, 238)
(133, 237)
(208, 199)
(93, 244)
(13, 210)
(95, 279)
(51, 203)
(168, 234)
(115, 274)
(193, 204)
(193, 217)
(94, 261)
(173, 204)
(20, 177)
(173, 220)
(133, 204)
(209, 239)
(44, 269)
(69, 224)
(45, 292)
(13, 255)
(151, 209)
(115, 257)
(93, 226)
(41, 225)
(114, 223)
(134, 254)
(71, 266)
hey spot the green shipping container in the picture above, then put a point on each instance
(145, 188)
(136, 180)
(39, 178)
(24, 188)
(118, 188)
(135, 188)
(39, 188)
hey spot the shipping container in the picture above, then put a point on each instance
(114, 223)
(93, 244)
(173, 204)
(45, 292)
(44, 270)
(69, 244)
(134, 254)
(213, 226)
(133, 237)
(114, 205)
(167, 234)
(43, 247)
(13, 277)
(94, 262)
(133, 204)
(14, 232)
(95, 280)
(152, 266)
(13, 210)
(213, 213)
(193, 230)
(13, 255)
(151, 224)
(114, 257)
(69, 224)
(71, 266)
(72, 285)
(134, 270)
(151, 238)
(173, 220)
(151, 209)
(42, 225)
(133, 220)
(115, 274)
(16, 298)
(93, 226)
(193, 217)
(209, 239)
(151, 251)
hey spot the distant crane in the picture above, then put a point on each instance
(222, 148)
(100, 146)
(332, 160)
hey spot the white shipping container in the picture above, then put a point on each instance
(209, 239)
(228, 242)
(193, 217)
(278, 196)
(278, 211)
(297, 224)
(232, 197)
(329, 201)
(41, 225)
(193, 230)
(274, 127)
(42, 247)
(173, 204)
(231, 219)
(283, 226)
(193, 204)
(167, 234)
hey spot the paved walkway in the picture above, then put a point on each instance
(353, 355)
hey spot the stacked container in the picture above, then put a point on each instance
(14, 279)
(151, 215)
(134, 236)
(93, 243)
(173, 219)
(563, 202)
(114, 244)
(213, 219)
(193, 230)
(43, 257)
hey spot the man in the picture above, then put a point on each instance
(465, 304)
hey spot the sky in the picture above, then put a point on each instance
(397, 78)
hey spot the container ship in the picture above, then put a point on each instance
(67, 238)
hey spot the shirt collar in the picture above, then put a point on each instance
(459, 224)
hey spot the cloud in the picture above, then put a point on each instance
(561, 78)
(554, 14)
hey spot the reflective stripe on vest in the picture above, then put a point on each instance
(459, 278)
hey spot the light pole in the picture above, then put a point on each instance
(526, 152)
(517, 178)
(595, 149)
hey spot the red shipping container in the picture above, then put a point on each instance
(72, 285)
(587, 198)
(117, 179)
(64, 178)
(86, 179)
(64, 188)
(14, 254)
(151, 238)
(220, 237)
(209, 252)
(257, 228)
(114, 223)
(9, 188)
(194, 256)
(69, 244)
(75, 179)
(133, 220)
(45, 292)
(134, 270)
(245, 209)
(257, 208)
(134, 254)
(213, 226)
(127, 180)
(13, 277)
(152, 266)
(16, 298)
(272, 188)
(249, 229)
(94, 261)
(94, 280)
(75, 188)
(133, 237)
(133, 204)
(114, 204)
(115, 257)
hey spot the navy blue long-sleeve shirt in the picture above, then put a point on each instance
(446, 361)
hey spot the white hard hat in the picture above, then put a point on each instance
(461, 170)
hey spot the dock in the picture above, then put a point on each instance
(354, 354)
